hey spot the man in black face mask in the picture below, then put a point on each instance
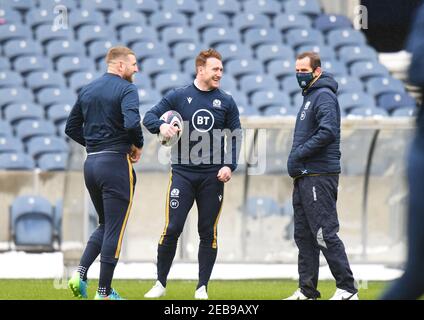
(314, 164)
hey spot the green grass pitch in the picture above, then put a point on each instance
(50, 289)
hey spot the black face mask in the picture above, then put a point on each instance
(304, 78)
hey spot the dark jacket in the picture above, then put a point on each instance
(106, 116)
(316, 139)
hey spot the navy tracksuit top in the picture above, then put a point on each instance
(316, 139)
(205, 115)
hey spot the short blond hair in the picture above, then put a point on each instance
(118, 52)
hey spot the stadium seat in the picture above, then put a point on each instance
(16, 161)
(287, 21)
(254, 82)
(174, 35)
(245, 21)
(297, 100)
(325, 53)
(241, 67)
(148, 49)
(367, 69)
(13, 32)
(349, 84)
(327, 22)
(203, 20)
(59, 48)
(98, 49)
(49, 144)
(40, 16)
(280, 111)
(269, 52)
(351, 54)
(247, 112)
(379, 85)
(79, 18)
(4, 63)
(230, 51)
(166, 81)
(227, 7)
(289, 85)
(10, 79)
(27, 129)
(264, 99)
(32, 224)
(367, 112)
(256, 37)
(162, 19)
(31, 63)
(146, 7)
(308, 7)
(79, 79)
(71, 5)
(123, 18)
(155, 66)
(52, 162)
(20, 111)
(214, 36)
(405, 112)
(15, 95)
(186, 7)
(141, 81)
(228, 83)
(57, 216)
(89, 33)
(335, 67)
(105, 6)
(189, 67)
(391, 101)
(349, 101)
(267, 7)
(345, 37)
(59, 112)
(40, 79)
(148, 96)
(10, 144)
(10, 16)
(261, 206)
(301, 37)
(185, 51)
(131, 34)
(48, 96)
(281, 67)
(70, 64)
(46, 33)
(21, 47)
(5, 130)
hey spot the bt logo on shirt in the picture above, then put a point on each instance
(203, 120)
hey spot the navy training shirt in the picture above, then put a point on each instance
(208, 117)
(106, 116)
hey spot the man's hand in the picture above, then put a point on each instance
(135, 154)
(168, 130)
(224, 174)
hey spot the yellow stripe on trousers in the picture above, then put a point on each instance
(215, 226)
(166, 210)
(121, 234)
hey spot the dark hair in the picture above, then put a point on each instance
(313, 57)
(205, 55)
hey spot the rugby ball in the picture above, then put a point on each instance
(173, 118)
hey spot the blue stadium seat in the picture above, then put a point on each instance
(174, 35)
(268, 7)
(281, 111)
(392, 101)
(27, 129)
(367, 69)
(32, 224)
(16, 161)
(40, 16)
(98, 49)
(49, 144)
(148, 49)
(405, 112)
(287, 21)
(301, 37)
(5, 130)
(123, 18)
(10, 79)
(378, 86)
(251, 83)
(189, 67)
(71, 5)
(49, 96)
(148, 97)
(21, 5)
(230, 51)
(308, 7)
(351, 54)
(166, 81)
(328, 22)
(89, 33)
(141, 81)
(241, 67)
(21, 47)
(349, 84)
(52, 162)
(261, 206)
(147, 7)
(79, 79)
(46, 33)
(269, 52)
(247, 112)
(59, 112)
(325, 53)
(59, 48)
(186, 7)
(162, 19)
(240, 99)
(228, 83)
(31, 63)
(264, 99)
(131, 34)
(105, 6)
(155, 66)
(281, 67)
(214, 36)
(227, 7)
(40, 79)
(20, 111)
(297, 99)
(367, 112)
(185, 51)
(13, 32)
(10, 144)
(256, 37)
(79, 18)
(70, 64)
(349, 101)
(245, 21)
(203, 20)
(10, 16)
(15, 95)
(4, 63)
(58, 208)
(335, 67)
(345, 37)
(289, 85)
